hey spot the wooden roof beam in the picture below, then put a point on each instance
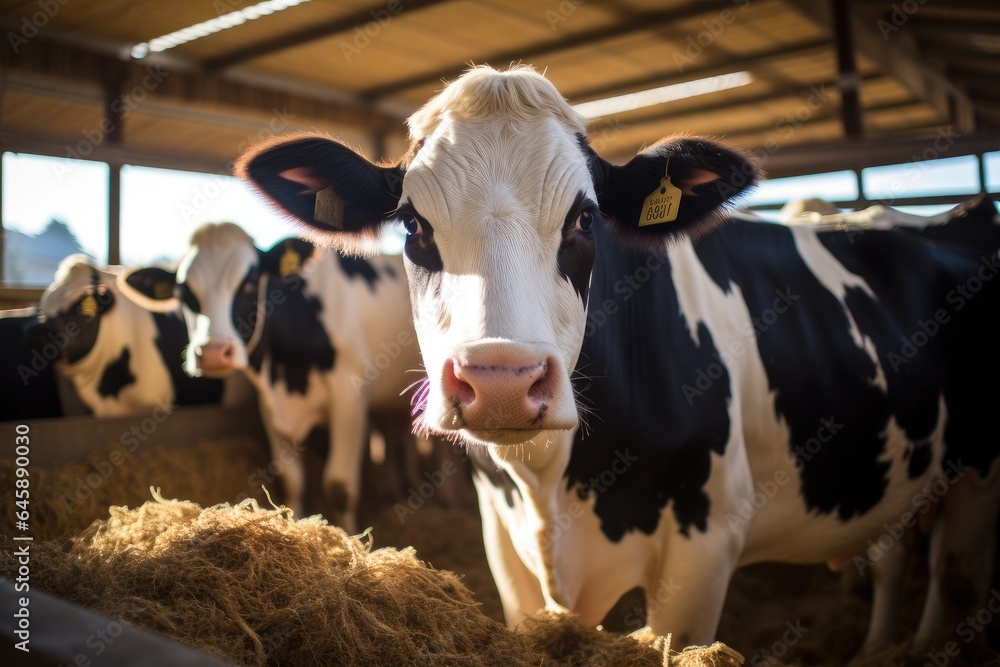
(896, 56)
(749, 63)
(314, 32)
(637, 23)
(818, 92)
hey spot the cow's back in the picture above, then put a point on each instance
(804, 332)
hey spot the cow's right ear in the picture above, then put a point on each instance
(152, 288)
(342, 199)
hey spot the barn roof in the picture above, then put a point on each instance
(356, 68)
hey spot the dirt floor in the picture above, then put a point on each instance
(824, 614)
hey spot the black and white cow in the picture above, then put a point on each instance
(120, 358)
(322, 337)
(760, 393)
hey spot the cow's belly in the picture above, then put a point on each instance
(780, 526)
(295, 414)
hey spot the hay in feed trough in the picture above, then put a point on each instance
(256, 587)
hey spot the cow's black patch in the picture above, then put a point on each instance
(423, 263)
(117, 375)
(28, 388)
(823, 383)
(188, 298)
(650, 440)
(245, 304)
(293, 336)
(358, 267)
(920, 458)
(171, 341)
(73, 331)
(945, 342)
(576, 253)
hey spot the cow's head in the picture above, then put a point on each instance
(499, 197)
(71, 310)
(223, 281)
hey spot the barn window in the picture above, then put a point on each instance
(161, 207)
(832, 186)
(52, 207)
(991, 163)
(922, 178)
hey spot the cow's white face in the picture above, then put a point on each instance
(498, 195)
(491, 204)
(218, 279)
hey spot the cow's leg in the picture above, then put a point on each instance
(887, 574)
(286, 458)
(686, 601)
(520, 593)
(963, 543)
(348, 438)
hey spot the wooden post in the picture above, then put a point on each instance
(850, 81)
(113, 75)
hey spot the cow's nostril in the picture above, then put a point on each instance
(455, 385)
(541, 389)
(228, 351)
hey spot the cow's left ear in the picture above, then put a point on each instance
(681, 185)
(285, 258)
(341, 199)
(152, 288)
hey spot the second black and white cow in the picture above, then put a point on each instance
(760, 393)
(323, 338)
(120, 358)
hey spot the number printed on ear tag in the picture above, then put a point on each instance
(662, 203)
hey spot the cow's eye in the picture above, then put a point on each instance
(584, 221)
(410, 224)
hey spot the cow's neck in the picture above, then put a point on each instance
(539, 462)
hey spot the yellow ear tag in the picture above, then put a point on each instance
(662, 203)
(88, 307)
(291, 263)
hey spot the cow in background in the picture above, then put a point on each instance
(755, 357)
(806, 211)
(324, 339)
(120, 358)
